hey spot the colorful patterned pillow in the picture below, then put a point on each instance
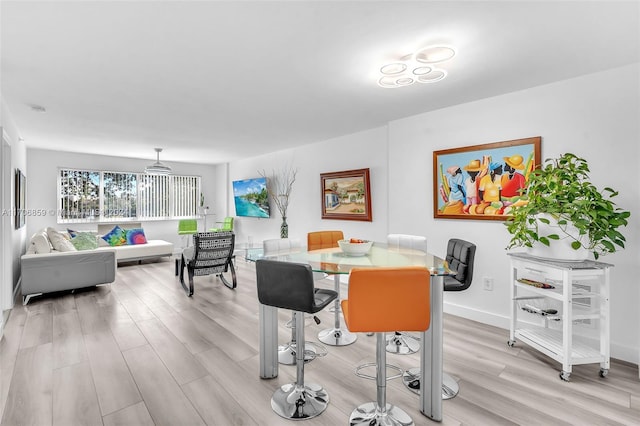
(136, 236)
(84, 241)
(116, 237)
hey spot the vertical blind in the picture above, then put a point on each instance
(94, 196)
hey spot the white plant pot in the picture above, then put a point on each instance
(561, 249)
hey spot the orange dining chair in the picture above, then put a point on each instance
(338, 335)
(323, 239)
(402, 294)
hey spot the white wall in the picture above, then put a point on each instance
(594, 116)
(42, 187)
(13, 249)
(357, 151)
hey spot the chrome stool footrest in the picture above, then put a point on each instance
(307, 321)
(373, 364)
(287, 352)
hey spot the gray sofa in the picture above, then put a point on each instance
(50, 265)
(58, 271)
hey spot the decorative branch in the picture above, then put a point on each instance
(279, 185)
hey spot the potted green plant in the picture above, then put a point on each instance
(561, 205)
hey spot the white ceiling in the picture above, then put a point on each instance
(213, 81)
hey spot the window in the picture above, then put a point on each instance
(94, 196)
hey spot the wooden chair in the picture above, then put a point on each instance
(212, 253)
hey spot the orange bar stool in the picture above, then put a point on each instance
(384, 300)
(291, 286)
(338, 335)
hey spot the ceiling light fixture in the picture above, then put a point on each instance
(417, 67)
(158, 168)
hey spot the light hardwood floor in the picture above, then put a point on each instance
(139, 352)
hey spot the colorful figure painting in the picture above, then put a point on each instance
(483, 181)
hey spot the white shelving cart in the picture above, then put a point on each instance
(550, 298)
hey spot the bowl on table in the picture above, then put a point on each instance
(355, 247)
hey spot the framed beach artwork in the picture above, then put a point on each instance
(483, 181)
(346, 195)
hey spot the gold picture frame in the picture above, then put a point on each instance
(483, 182)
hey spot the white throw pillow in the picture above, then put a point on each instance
(31, 249)
(58, 241)
(41, 242)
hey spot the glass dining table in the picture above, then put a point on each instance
(334, 262)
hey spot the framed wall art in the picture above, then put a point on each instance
(483, 181)
(20, 198)
(346, 195)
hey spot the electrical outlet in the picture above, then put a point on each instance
(487, 283)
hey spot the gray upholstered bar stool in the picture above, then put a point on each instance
(290, 286)
(287, 351)
(400, 342)
(460, 257)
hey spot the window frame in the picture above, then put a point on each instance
(169, 189)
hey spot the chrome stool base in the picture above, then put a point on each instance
(297, 403)
(411, 379)
(402, 344)
(337, 337)
(369, 414)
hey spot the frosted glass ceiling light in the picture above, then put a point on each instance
(394, 68)
(433, 76)
(158, 168)
(388, 82)
(404, 81)
(422, 70)
(415, 67)
(434, 54)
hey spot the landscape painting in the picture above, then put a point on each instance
(346, 195)
(483, 181)
(251, 197)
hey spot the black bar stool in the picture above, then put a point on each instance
(460, 257)
(290, 286)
